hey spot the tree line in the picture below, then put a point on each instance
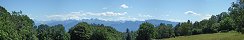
(17, 26)
(232, 20)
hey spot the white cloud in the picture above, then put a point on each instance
(207, 16)
(191, 13)
(75, 12)
(166, 15)
(123, 18)
(104, 8)
(67, 16)
(101, 14)
(124, 6)
(108, 16)
(84, 15)
(176, 20)
(112, 14)
(140, 15)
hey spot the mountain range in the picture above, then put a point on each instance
(118, 25)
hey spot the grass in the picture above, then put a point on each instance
(215, 36)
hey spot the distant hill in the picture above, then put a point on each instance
(119, 25)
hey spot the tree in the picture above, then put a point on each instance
(215, 27)
(176, 29)
(43, 32)
(226, 24)
(184, 28)
(55, 32)
(145, 31)
(213, 24)
(206, 27)
(109, 32)
(85, 31)
(196, 28)
(170, 29)
(99, 35)
(16, 26)
(128, 35)
(164, 31)
(237, 13)
(81, 31)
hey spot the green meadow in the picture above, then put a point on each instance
(215, 36)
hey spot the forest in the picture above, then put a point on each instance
(17, 26)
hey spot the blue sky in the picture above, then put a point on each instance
(115, 10)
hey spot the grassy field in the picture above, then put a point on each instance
(215, 36)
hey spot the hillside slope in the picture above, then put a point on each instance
(215, 36)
